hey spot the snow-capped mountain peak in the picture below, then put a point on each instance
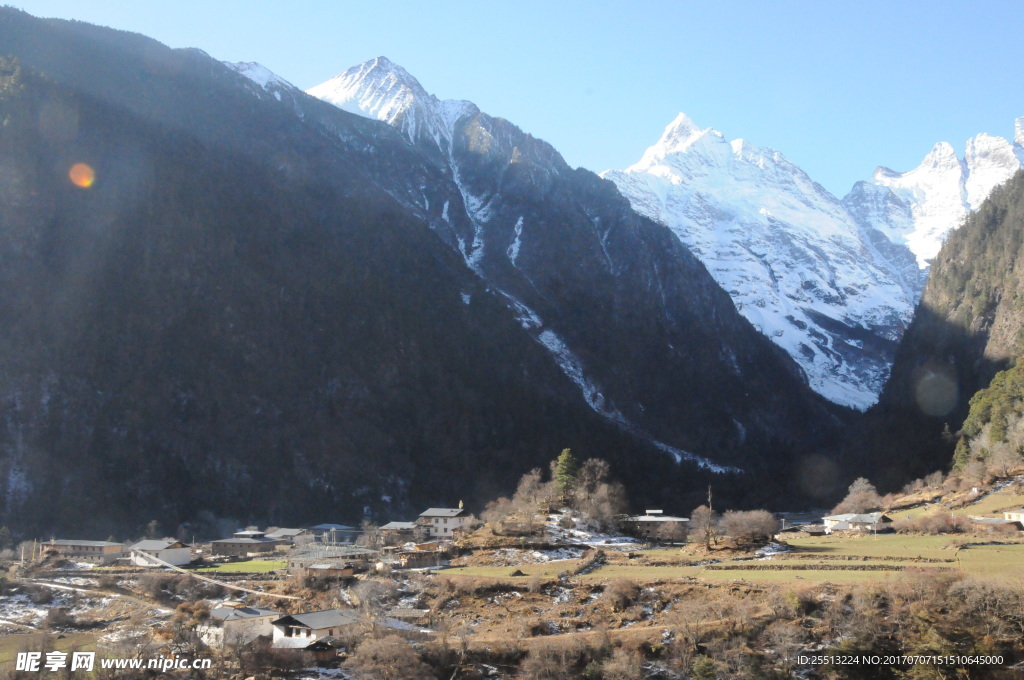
(381, 89)
(919, 207)
(796, 264)
(680, 134)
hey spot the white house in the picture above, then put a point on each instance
(298, 631)
(233, 623)
(871, 521)
(1014, 515)
(441, 522)
(165, 550)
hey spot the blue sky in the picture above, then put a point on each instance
(839, 88)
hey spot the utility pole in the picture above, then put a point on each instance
(707, 525)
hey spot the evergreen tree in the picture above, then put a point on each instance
(566, 469)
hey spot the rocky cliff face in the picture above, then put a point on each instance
(969, 325)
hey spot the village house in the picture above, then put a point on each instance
(334, 534)
(233, 623)
(1014, 515)
(244, 543)
(292, 536)
(647, 525)
(155, 552)
(299, 631)
(994, 524)
(96, 552)
(341, 556)
(336, 569)
(402, 532)
(443, 523)
(871, 521)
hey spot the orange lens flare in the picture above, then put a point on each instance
(82, 175)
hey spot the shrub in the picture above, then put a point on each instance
(388, 658)
(621, 593)
(749, 526)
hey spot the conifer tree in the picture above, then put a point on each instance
(566, 468)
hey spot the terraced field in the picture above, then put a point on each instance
(818, 559)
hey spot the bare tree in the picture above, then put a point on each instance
(672, 532)
(749, 526)
(861, 497)
(388, 658)
(370, 536)
(704, 523)
(497, 510)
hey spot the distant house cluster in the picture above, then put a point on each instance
(323, 549)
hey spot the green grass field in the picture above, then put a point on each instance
(10, 645)
(248, 567)
(999, 563)
(884, 545)
(896, 553)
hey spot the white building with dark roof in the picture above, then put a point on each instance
(1014, 515)
(154, 552)
(648, 524)
(868, 521)
(234, 623)
(442, 522)
(299, 631)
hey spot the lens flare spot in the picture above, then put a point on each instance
(82, 175)
(937, 391)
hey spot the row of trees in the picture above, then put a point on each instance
(586, 488)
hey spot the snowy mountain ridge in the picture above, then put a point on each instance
(795, 263)
(919, 207)
(832, 282)
(490, 163)
(383, 90)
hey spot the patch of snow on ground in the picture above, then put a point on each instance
(772, 549)
(564, 595)
(513, 557)
(76, 581)
(323, 674)
(583, 534)
(21, 609)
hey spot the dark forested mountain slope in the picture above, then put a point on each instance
(256, 311)
(968, 326)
